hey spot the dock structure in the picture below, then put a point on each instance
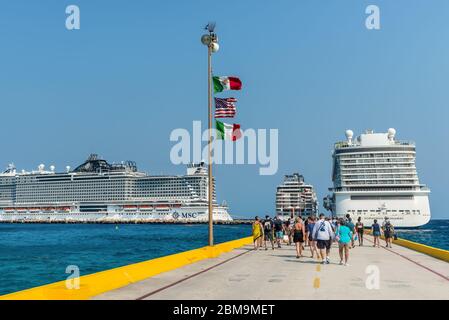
(373, 273)
(233, 270)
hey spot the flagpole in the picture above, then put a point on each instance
(209, 170)
(210, 40)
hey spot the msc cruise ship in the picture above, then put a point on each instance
(99, 191)
(375, 177)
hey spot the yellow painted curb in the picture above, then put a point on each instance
(100, 282)
(431, 251)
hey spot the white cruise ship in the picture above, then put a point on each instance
(294, 197)
(375, 177)
(97, 191)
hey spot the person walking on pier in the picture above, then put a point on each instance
(323, 235)
(351, 226)
(298, 236)
(388, 230)
(375, 230)
(343, 236)
(306, 232)
(312, 242)
(278, 229)
(268, 232)
(289, 230)
(257, 233)
(360, 229)
(334, 223)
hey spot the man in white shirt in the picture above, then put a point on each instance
(323, 235)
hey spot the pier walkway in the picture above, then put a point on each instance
(247, 274)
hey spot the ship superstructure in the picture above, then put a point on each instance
(294, 197)
(374, 177)
(99, 191)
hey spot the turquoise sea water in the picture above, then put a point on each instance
(37, 254)
(434, 234)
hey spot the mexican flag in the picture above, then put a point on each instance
(227, 131)
(226, 83)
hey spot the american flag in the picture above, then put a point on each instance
(225, 107)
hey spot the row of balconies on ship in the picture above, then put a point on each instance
(375, 171)
(295, 186)
(377, 183)
(295, 205)
(378, 155)
(380, 161)
(282, 196)
(384, 188)
(378, 171)
(296, 201)
(293, 194)
(293, 191)
(283, 206)
(378, 164)
(378, 176)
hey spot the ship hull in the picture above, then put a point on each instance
(406, 210)
(115, 213)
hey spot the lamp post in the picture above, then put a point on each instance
(211, 41)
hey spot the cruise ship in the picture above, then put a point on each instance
(375, 177)
(97, 191)
(294, 197)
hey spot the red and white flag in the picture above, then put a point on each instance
(225, 107)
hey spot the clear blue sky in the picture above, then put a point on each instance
(136, 70)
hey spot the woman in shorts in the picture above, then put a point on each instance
(298, 236)
(343, 236)
(359, 227)
(375, 231)
(312, 242)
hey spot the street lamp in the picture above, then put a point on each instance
(211, 41)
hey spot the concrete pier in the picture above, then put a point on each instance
(373, 273)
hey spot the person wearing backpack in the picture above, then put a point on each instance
(268, 231)
(278, 229)
(388, 230)
(323, 235)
